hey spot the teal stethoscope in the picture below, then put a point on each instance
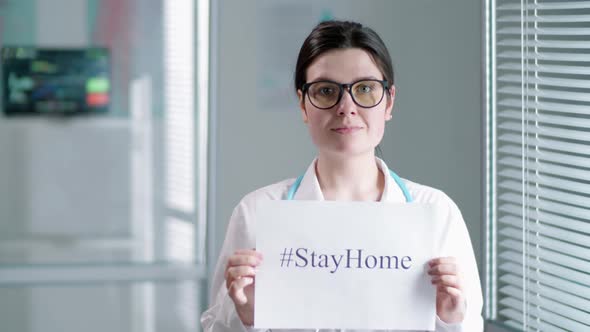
(398, 180)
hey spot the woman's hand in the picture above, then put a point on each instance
(450, 300)
(239, 279)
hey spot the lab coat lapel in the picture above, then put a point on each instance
(392, 192)
(310, 190)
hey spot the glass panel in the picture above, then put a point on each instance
(138, 307)
(115, 186)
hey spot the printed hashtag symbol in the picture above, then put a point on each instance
(286, 257)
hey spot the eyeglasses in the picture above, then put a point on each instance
(327, 94)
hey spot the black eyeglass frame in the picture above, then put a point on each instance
(347, 87)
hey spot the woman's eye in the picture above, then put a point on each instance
(364, 89)
(326, 91)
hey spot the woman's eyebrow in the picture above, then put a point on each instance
(325, 78)
(366, 78)
(322, 78)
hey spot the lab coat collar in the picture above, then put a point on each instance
(309, 189)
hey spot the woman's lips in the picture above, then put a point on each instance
(346, 130)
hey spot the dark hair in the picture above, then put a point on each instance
(331, 35)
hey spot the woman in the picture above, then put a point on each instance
(344, 81)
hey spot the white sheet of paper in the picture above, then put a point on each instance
(324, 284)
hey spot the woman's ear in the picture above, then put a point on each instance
(302, 105)
(390, 103)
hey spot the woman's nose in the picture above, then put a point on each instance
(346, 106)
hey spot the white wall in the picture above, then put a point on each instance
(54, 28)
(435, 134)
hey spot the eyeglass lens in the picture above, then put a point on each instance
(327, 94)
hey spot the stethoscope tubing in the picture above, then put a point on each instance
(295, 186)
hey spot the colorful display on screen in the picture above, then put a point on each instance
(55, 81)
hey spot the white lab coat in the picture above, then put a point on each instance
(221, 315)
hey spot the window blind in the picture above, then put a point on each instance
(179, 126)
(540, 164)
(179, 103)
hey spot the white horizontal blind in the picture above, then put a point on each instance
(542, 164)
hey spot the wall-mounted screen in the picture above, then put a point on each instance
(55, 81)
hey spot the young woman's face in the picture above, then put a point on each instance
(346, 128)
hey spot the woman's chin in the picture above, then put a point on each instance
(351, 150)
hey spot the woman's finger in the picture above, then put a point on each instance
(443, 260)
(241, 259)
(252, 252)
(447, 281)
(236, 272)
(455, 293)
(236, 290)
(440, 269)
